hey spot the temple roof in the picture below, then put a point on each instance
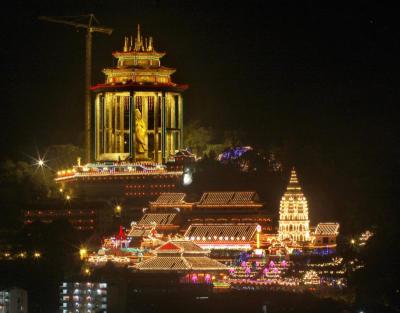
(176, 255)
(221, 232)
(176, 263)
(119, 86)
(139, 68)
(140, 231)
(170, 198)
(327, 229)
(230, 198)
(159, 219)
(180, 246)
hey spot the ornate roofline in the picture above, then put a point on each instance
(140, 87)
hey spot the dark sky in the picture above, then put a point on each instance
(316, 77)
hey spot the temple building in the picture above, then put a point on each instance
(138, 132)
(138, 110)
(294, 224)
(183, 256)
(223, 236)
(325, 235)
(226, 207)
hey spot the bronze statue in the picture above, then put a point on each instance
(141, 132)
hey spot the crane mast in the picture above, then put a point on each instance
(90, 28)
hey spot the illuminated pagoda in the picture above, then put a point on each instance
(138, 110)
(294, 224)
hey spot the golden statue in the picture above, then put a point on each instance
(141, 132)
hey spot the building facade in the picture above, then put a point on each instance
(13, 300)
(139, 109)
(88, 297)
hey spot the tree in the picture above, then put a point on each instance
(197, 137)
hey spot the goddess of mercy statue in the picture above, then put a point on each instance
(141, 131)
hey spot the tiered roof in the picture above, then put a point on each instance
(139, 66)
(180, 263)
(327, 229)
(180, 255)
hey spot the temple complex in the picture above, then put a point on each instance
(138, 110)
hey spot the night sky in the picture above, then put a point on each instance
(319, 79)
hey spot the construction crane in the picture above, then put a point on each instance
(90, 28)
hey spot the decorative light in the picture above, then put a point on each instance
(83, 253)
(187, 178)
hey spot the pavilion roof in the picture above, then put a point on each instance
(327, 229)
(221, 232)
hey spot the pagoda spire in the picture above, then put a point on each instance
(294, 184)
(138, 40)
(138, 33)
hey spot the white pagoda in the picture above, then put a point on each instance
(294, 224)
